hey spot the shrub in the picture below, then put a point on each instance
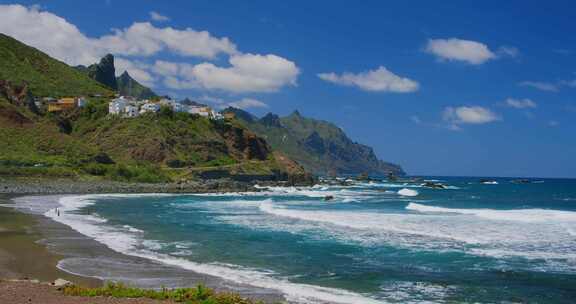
(196, 295)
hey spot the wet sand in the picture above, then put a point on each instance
(33, 246)
(21, 256)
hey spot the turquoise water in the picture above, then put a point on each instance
(472, 242)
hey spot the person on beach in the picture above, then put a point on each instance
(57, 212)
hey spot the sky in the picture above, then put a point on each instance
(464, 88)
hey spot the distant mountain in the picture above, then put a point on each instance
(320, 146)
(21, 64)
(189, 102)
(104, 72)
(127, 86)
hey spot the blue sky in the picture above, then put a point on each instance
(445, 88)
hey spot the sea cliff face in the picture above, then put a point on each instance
(320, 146)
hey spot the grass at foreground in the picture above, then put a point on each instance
(196, 295)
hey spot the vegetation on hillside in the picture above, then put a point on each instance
(44, 75)
(87, 143)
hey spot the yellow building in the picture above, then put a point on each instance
(62, 104)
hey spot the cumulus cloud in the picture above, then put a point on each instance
(468, 115)
(246, 73)
(379, 80)
(63, 40)
(454, 49)
(524, 103)
(246, 103)
(155, 16)
(542, 86)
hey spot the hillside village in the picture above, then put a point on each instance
(129, 107)
(126, 106)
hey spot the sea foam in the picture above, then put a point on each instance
(522, 215)
(125, 241)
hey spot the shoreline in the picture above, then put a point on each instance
(20, 187)
(51, 255)
(22, 256)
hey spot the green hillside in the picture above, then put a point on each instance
(320, 146)
(87, 143)
(45, 76)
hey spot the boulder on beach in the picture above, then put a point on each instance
(61, 283)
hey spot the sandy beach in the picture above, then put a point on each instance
(35, 251)
(20, 254)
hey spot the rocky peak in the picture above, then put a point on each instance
(271, 120)
(104, 72)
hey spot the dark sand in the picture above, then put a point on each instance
(20, 254)
(27, 292)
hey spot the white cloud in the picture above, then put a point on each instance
(246, 73)
(542, 86)
(509, 51)
(246, 103)
(144, 39)
(549, 86)
(63, 40)
(155, 16)
(468, 115)
(455, 49)
(524, 103)
(553, 123)
(379, 80)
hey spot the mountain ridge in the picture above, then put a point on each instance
(320, 146)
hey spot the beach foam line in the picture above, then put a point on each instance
(521, 215)
(124, 241)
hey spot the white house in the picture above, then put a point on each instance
(80, 102)
(178, 107)
(202, 111)
(131, 111)
(150, 107)
(216, 115)
(117, 106)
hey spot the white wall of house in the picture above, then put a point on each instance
(150, 107)
(80, 102)
(131, 111)
(117, 106)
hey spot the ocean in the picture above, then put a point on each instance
(469, 242)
